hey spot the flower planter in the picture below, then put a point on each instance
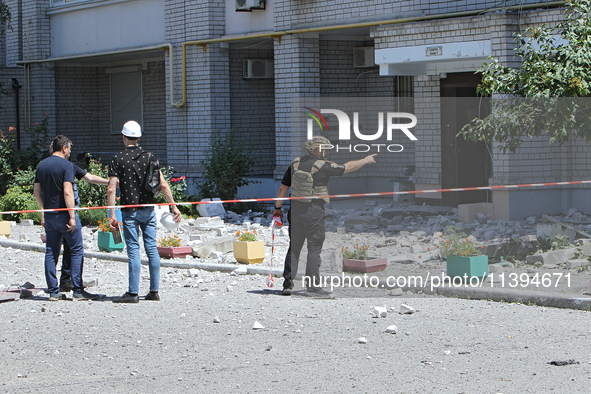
(5, 228)
(172, 252)
(469, 266)
(107, 244)
(252, 252)
(364, 266)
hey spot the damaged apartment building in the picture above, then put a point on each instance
(184, 69)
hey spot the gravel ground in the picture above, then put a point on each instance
(305, 345)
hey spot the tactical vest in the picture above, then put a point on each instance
(302, 182)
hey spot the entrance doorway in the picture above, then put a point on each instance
(463, 163)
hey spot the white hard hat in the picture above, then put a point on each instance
(132, 129)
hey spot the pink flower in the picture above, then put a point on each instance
(10, 128)
(183, 177)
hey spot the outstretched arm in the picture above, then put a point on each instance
(165, 188)
(354, 165)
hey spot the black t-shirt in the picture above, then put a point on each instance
(130, 166)
(51, 175)
(79, 173)
(321, 178)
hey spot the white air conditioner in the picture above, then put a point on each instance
(363, 57)
(247, 5)
(257, 69)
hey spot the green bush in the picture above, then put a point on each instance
(16, 199)
(178, 186)
(92, 195)
(25, 179)
(91, 217)
(226, 164)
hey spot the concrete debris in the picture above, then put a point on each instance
(257, 326)
(362, 340)
(240, 271)
(391, 329)
(396, 292)
(27, 222)
(380, 311)
(406, 310)
(216, 319)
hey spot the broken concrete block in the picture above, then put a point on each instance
(240, 271)
(203, 251)
(341, 230)
(551, 230)
(574, 264)
(192, 272)
(380, 311)
(195, 237)
(391, 329)
(406, 309)
(531, 220)
(396, 292)
(212, 209)
(362, 340)
(571, 211)
(27, 222)
(216, 319)
(467, 213)
(257, 326)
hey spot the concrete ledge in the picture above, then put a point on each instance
(250, 269)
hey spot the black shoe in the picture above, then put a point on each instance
(66, 287)
(318, 292)
(57, 297)
(128, 298)
(286, 291)
(85, 296)
(152, 296)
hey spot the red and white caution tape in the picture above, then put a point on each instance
(275, 223)
(457, 189)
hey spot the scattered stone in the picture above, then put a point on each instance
(562, 363)
(396, 292)
(380, 311)
(216, 320)
(362, 340)
(406, 310)
(257, 326)
(27, 222)
(240, 271)
(195, 237)
(391, 329)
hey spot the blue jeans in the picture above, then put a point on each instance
(56, 230)
(146, 220)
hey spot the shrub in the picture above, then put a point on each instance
(25, 179)
(16, 199)
(92, 195)
(226, 164)
(91, 217)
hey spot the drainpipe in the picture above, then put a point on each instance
(17, 88)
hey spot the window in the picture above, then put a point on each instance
(126, 99)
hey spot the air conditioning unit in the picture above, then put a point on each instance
(257, 69)
(247, 5)
(363, 57)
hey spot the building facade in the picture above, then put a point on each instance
(184, 69)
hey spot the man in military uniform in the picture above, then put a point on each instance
(308, 176)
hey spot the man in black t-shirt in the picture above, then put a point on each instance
(53, 190)
(130, 167)
(65, 276)
(309, 177)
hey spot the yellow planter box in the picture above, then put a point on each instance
(5, 228)
(249, 252)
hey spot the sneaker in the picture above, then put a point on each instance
(66, 287)
(128, 298)
(57, 297)
(317, 292)
(286, 291)
(152, 296)
(84, 296)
